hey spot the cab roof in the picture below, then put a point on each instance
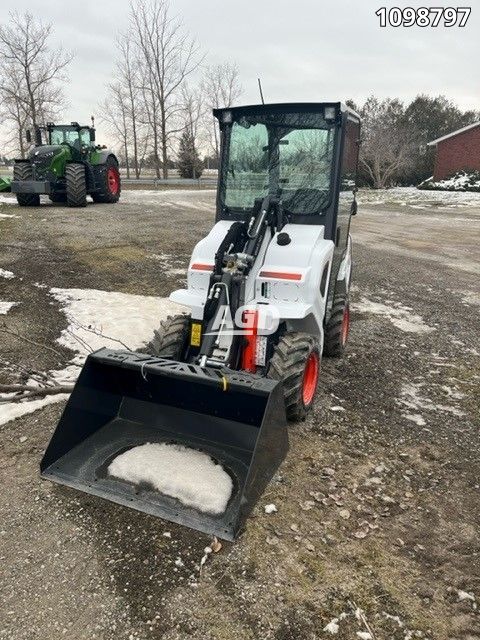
(287, 107)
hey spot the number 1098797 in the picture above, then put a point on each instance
(424, 16)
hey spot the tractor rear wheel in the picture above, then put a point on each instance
(171, 339)
(296, 362)
(76, 185)
(338, 327)
(108, 178)
(23, 171)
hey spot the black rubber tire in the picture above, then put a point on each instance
(58, 197)
(105, 195)
(170, 340)
(288, 364)
(336, 336)
(23, 171)
(76, 184)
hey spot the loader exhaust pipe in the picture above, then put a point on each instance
(123, 399)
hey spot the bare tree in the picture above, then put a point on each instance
(388, 145)
(193, 112)
(30, 70)
(13, 113)
(122, 110)
(115, 115)
(222, 88)
(168, 56)
(128, 74)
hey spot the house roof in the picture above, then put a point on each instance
(454, 133)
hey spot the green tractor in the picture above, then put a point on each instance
(68, 167)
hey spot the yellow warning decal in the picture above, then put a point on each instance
(196, 334)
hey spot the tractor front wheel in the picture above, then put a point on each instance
(296, 362)
(108, 178)
(338, 327)
(171, 339)
(21, 172)
(76, 185)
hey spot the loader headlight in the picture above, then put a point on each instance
(329, 113)
(227, 117)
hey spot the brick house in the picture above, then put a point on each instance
(457, 151)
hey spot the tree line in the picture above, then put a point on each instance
(158, 104)
(395, 136)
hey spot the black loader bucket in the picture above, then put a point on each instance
(123, 399)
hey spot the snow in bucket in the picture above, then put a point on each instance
(190, 476)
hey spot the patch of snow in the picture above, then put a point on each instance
(119, 318)
(416, 418)
(471, 297)
(465, 595)
(270, 508)
(408, 196)
(364, 635)
(6, 200)
(6, 306)
(166, 260)
(461, 181)
(393, 618)
(11, 410)
(332, 627)
(187, 198)
(399, 315)
(189, 475)
(124, 318)
(6, 274)
(412, 398)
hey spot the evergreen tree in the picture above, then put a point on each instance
(189, 163)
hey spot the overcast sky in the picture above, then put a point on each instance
(304, 50)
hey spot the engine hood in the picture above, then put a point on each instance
(45, 151)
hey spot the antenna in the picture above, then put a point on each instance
(260, 89)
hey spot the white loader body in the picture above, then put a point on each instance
(293, 278)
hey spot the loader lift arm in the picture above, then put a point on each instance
(233, 262)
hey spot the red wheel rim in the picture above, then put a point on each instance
(113, 180)
(310, 378)
(345, 325)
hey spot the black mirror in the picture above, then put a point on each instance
(38, 137)
(28, 136)
(354, 209)
(92, 135)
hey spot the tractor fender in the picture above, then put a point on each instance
(295, 277)
(101, 156)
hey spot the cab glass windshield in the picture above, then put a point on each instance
(65, 136)
(288, 156)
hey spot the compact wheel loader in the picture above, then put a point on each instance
(67, 168)
(267, 291)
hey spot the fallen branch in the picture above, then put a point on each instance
(81, 341)
(97, 332)
(28, 374)
(27, 391)
(15, 334)
(359, 614)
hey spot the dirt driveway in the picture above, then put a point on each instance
(376, 534)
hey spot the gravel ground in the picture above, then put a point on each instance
(376, 533)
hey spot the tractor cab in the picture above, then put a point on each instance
(77, 137)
